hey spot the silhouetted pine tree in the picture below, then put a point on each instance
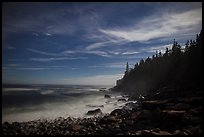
(172, 69)
(127, 69)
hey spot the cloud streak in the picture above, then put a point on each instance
(98, 45)
(68, 53)
(9, 47)
(161, 48)
(114, 65)
(159, 26)
(56, 59)
(11, 67)
(130, 52)
(42, 52)
(25, 68)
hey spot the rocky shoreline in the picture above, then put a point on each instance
(167, 116)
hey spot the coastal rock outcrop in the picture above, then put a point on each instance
(94, 112)
(107, 96)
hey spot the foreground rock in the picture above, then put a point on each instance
(94, 112)
(107, 96)
(93, 106)
(169, 116)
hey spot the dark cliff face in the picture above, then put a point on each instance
(177, 68)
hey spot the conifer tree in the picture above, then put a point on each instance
(127, 68)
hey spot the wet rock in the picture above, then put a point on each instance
(179, 132)
(175, 114)
(121, 99)
(182, 106)
(107, 131)
(90, 124)
(77, 127)
(143, 132)
(112, 119)
(156, 130)
(102, 89)
(129, 122)
(196, 111)
(132, 104)
(150, 132)
(95, 106)
(108, 120)
(196, 120)
(132, 98)
(125, 96)
(145, 115)
(194, 101)
(119, 112)
(94, 112)
(116, 112)
(141, 97)
(135, 115)
(161, 133)
(107, 96)
(154, 104)
(195, 130)
(170, 105)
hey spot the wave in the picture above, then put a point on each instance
(47, 92)
(55, 101)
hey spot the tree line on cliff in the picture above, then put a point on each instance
(175, 68)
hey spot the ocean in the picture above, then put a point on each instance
(21, 103)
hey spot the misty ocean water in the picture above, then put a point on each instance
(33, 102)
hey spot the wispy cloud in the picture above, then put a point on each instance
(98, 45)
(24, 68)
(97, 52)
(110, 42)
(33, 68)
(35, 34)
(16, 67)
(74, 68)
(48, 34)
(42, 52)
(9, 47)
(13, 65)
(155, 48)
(84, 51)
(56, 59)
(114, 65)
(5, 68)
(90, 50)
(68, 54)
(130, 52)
(159, 26)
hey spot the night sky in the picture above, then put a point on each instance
(88, 43)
